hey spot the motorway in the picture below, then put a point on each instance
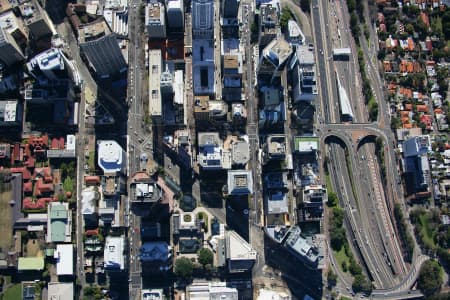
(360, 189)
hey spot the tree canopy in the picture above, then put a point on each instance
(183, 267)
(205, 257)
(430, 278)
(362, 284)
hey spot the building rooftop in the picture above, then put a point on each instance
(155, 11)
(174, 4)
(277, 51)
(209, 139)
(93, 31)
(277, 202)
(418, 145)
(269, 15)
(201, 104)
(300, 246)
(143, 189)
(304, 55)
(306, 144)
(30, 263)
(294, 32)
(240, 182)
(60, 290)
(59, 227)
(211, 154)
(266, 294)
(178, 88)
(8, 111)
(203, 66)
(276, 180)
(230, 46)
(10, 22)
(211, 291)
(153, 294)
(154, 68)
(64, 259)
(240, 152)
(111, 157)
(271, 96)
(276, 145)
(238, 248)
(50, 59)
(230, 61)
(155, 252)
(88, 199)
(114, 253)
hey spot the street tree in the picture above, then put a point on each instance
(205, 257)
(183, 267)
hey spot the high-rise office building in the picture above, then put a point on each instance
(155, 20)
(101, 49)
(10, 52)
(230, 8)
(175, 14)
(203, 19)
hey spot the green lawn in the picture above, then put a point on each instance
(427, 233)
(91, 161)
(328, 182)
(340, 257)
(12, 293)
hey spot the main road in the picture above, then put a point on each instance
(368, 212)
(136, 137)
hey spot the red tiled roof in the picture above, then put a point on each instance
(427, 120)
(39, 141)
(28, 187)
(425, 19)
(438, 111)
(92, 179)
(29, 203)
(42, 172)
(41, 187)
(26, 175)
(91, 232)
(410, 44)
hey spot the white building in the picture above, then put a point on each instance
(304, 75)
(60, 291)
(240, 182)
(211, 155)
(295, 34)
(111, 157)
(155, 20)
(64, 259)
(114, 253)
(239, 254)
(152, 294)
(178, 98)
(265, 294)
(52, 63)
(175, 14)
(210, 291)
(154, 92)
